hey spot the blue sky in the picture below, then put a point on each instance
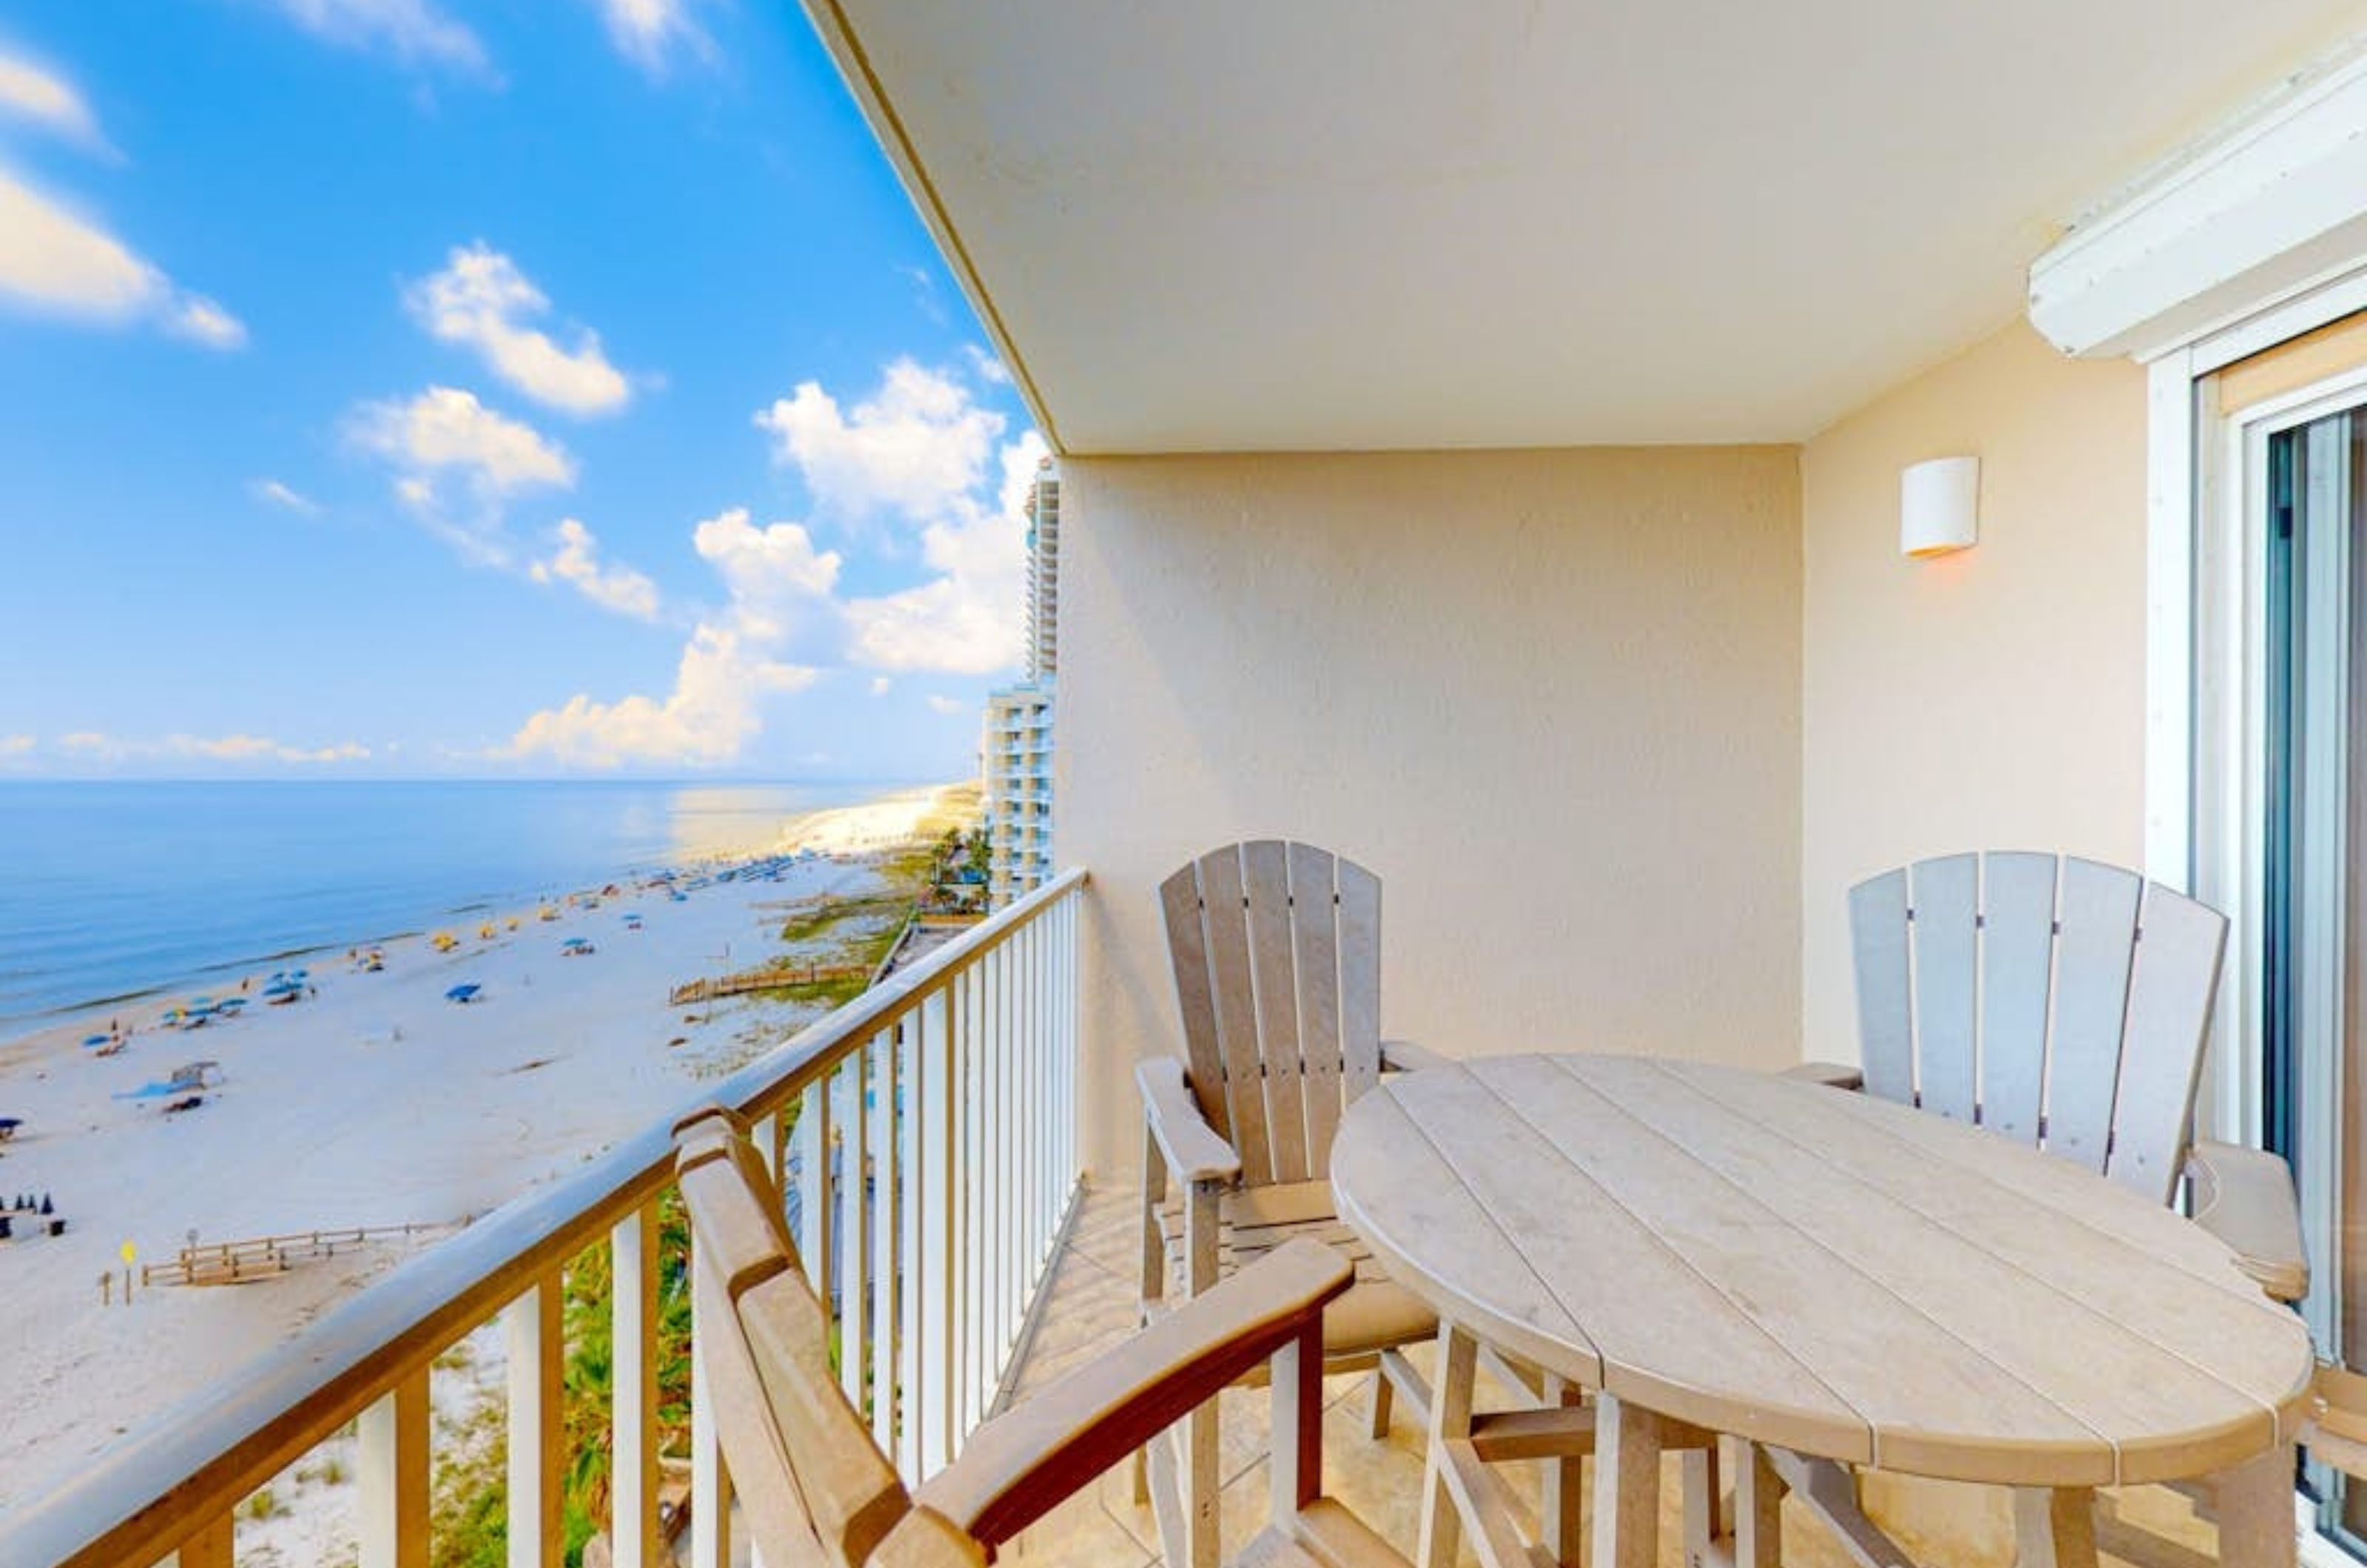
(481, 387)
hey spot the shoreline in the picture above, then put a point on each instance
(798, 830)
(373, 1100)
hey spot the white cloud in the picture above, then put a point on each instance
(281, 495)
(15, 745)
(968, 619)
(443, 440)
(986, 366)
(916, 451)
(53, 259)
(199, 319)
(577, 562)
(234, 748)
(483, 301)
(779, 586)
(944, 704)
(648, 32)
(44, 99)
(917, 446)
(415, 31)
(708, 718)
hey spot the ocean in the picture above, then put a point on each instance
(112, 889)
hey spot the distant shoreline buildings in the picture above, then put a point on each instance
(1018, 744)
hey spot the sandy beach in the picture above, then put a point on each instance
(374, 1100)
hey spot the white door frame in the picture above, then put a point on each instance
(2204, 639)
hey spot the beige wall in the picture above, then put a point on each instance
(1551, 697)
(1993, 699)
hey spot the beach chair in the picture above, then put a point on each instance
(2062, 1003)
(812, 1485)
(1276, 951)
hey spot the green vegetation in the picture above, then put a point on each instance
(471, 1504)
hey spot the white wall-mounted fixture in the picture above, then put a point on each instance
(1939, 506)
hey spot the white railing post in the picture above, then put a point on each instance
(391, 1476)
(633, 1390)
(885, 1168)
(537, 1458)
(936, 1296)
(916, 1272)
(854, 1227)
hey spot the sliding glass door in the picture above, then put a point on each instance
(2312, 478)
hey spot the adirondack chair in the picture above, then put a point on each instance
(1276, 953)
(2063, 1003)
(816, 1492)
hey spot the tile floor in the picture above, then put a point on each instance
(1092, 1305)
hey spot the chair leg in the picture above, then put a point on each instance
(1383, 1395)
(1140, 1469)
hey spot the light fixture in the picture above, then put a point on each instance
(1939, 506)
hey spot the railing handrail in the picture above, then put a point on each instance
(135, 1500)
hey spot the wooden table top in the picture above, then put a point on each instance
(1819, 1271)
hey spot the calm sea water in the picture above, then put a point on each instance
(108, 889)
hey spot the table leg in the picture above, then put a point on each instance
(1450, 1417)
(2055, 1526)
(1627, 1484)
(1758, 1509)
(2255, 1512)
(1565, 1486)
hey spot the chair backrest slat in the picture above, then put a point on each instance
(1187, 951)
(2091, 1000)
(1885, 1026)
(1947, 905)
(1276, 948)
(1225, 917)
(2034, 978)
(2017, 962)
(2175, 976)
(1315, 936)
(1360, 977)
(1265, 879)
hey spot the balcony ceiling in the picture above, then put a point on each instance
(1336, 225)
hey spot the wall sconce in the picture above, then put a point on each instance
(1939, 507)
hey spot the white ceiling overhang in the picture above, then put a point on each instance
(2273, 205)
(1332, 224)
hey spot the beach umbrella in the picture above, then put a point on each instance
(89, 1040)
(229, 1004)
(283, 988)
(462, 993)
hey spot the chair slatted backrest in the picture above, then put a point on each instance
(1276, 949)
(813, 1486)
(2055, 1000)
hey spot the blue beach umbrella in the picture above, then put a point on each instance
(462, 993)
(89, 1040)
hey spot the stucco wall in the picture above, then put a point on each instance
(1993, 699)
(1552, 698)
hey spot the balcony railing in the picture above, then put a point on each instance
(927, 1129)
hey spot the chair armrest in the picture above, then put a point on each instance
(1405, 1056)
(1023, 1463)
(1190, 1146)
(2245, 1197)
(1832, 1075)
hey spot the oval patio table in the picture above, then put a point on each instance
(1844, 1280)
